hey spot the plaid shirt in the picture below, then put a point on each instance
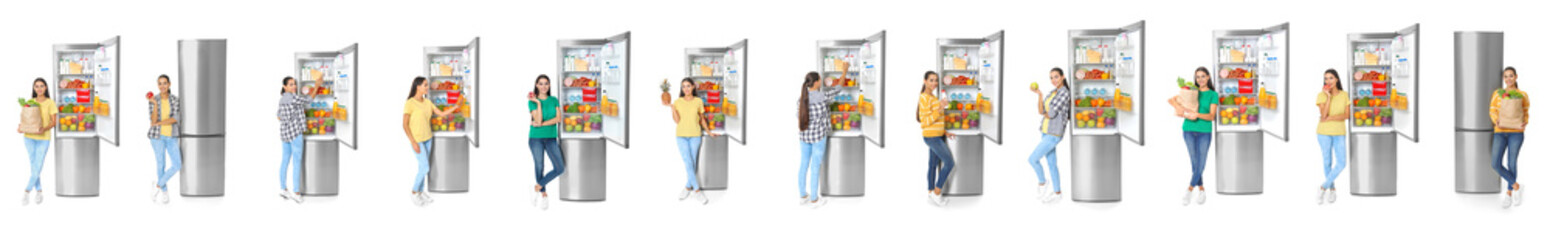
(292, 122)
(176, 108)
(818, 117)
(1058, 106)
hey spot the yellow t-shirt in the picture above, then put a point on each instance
(47, 108)
(1342, 102)
(932, 122)
(166, 112)
(419, 112)
(689, 116)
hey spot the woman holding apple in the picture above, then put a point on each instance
(929, 114)
(1333, 106)
(1197, 131)
(812, 121)
(417, 125)
(1056, 113)
(543, 137)
(164, 108)
(688, 111)
(37, 139)
(292, 123)
(1508, 138)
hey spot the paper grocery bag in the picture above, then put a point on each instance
(32, 120)
(1190, 99)
(1509, 113)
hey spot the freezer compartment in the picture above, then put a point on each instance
(1472, 170)
(1095, 168)
(968, 176)
(1477, 69)
(1374, 164)
(202, 86)
(712, 166)
(1240, 163)
(320, 168)
(844, 170)
(586, 170)
(77, 170)
(449, 165)
(204, 166)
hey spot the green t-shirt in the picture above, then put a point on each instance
(551, 131)
(1207, 98)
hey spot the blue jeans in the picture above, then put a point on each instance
(424, 158)
(539, 146)
(689, 147)
(36, 151)
(1509, 143)
(290, 159)
(941, 165)
(166, 146)
(812, 162)
(1332, 145)
(1199, 144)
(1046, 149)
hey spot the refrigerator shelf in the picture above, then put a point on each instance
(956, 86)
(1094, 63)
(715, 76)
(1371, 66)
(78, 74)
(960, 70)
(854, 132)
(1238, 63)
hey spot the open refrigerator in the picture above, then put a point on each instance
(970, 72)
(594, 91)
(855, 117)
(722, 75)
(1249, 71)
(1382, 88)
(453, 72)
(86, 90)
(330, 117)
(1105, 80)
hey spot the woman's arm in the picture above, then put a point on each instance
(1208, 116)
(173, 118)
(50, 124)
(1495, 100)
(444, 112)
(674, 109)
(552, 121)
(410, 134)
(1042, 112)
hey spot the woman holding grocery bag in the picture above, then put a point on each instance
(813, 123)
(1196, 103)
(1334, 105)
(164, 108)
(928, 112)
(687, 115)
(417, 126)
(292, 122)
(38, 115)
(1056, 111)
(543, 137)
(1509, 112)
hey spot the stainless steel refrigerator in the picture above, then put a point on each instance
(1107, 65)
(1252, 83)
(844, 169)
(724, 71)
(1477, 72)
(86, 82)
(970, 72)
(1383, 86)
(331, 116)
(595, 91)
(202, 91)
(453, 72)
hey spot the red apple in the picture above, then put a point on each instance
(149, 95)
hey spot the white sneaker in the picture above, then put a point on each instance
(1329, 196)
(417, 200)
(1188, 195)
(816, 204)
(935, 199)
(37, 198)
(1507, 200)
(285, 194)
(296, 196)
(426, 197)
(27, 198)
(700, 196)
(156, 194)
(1200, 197)
(163, 198)
(1044, 191)
(1517, 196)
(684, 195)
(1323, 195)
(804, 201)
(941, 199)
(535, 197)
(1053, 198)
(543, 203)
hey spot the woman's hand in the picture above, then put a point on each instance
(712, 134)
(951, 136)
(416, 146)
(1192, 116)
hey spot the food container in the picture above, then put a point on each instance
(589, 94)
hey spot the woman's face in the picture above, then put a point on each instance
(1330, 80)
(290, 86)
(543, 86)
(687, 88)
(931, 82)
(1056, 79)
(1201, 79)
(39, 88)
(425, 87)
(1510, 78)
(163, 84)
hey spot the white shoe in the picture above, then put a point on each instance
(296, 196)
(1323, 194)
(700, 196)
(935, 199)
(156, 194)
(426, 197)
(543, 203)
(27, 198)
(37, 198)
(1188, 195)
(417, 200)
(1507, 200)
(1053, 198)
(285, 194)
(684, 195)
(1330, 196)
(1200, 197)
(163, 198)
(1044, 191)
(816, 204)
(535, 197)
(1517, 196)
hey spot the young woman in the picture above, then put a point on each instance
(37, 140)
(1333, 104)
(932, 126)
(1197, 133)
(687, 111)
(1055, 109)
(417, 125)
(543, 137)
(1508, 139)
(164, 110)
(292, 122)
(813, 121)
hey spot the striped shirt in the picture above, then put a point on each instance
(1057, 105)
(818, 116)
(929, 111)
(292, 120)
(176, 109)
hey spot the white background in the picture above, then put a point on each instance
(519, 43)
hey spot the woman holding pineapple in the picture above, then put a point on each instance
(1055, 111)
(37, 139)
(1509, 112)
(1334, 105)
(688, 112)
(1198, 115)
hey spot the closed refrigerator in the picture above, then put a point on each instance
(844, 169)
(1384, 91)
(87, 93)
(453, 72)
(722, 75)
(594, 91)
(1252, 85)
(970, 72)
(201, 86)
(331, 117)
(1107, 69)
(1477, 73)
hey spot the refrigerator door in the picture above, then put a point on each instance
(107, 89)
(1274, 121)
(994, 88)
(471, 80)
(345, 77)
(1478, 72)
(1132, 124)
(737, 82)
(202, 84)
(616, 83)
(873, 60)
(1407, 122)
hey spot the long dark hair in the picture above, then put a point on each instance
(802, 114)
(1209, 85)
(416, 86)
(287, 81)
(1504, 71)
(1063, 83)
(45, 86)
(545, 78)
(692, 90)
(1332, 72)
(923, 89)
